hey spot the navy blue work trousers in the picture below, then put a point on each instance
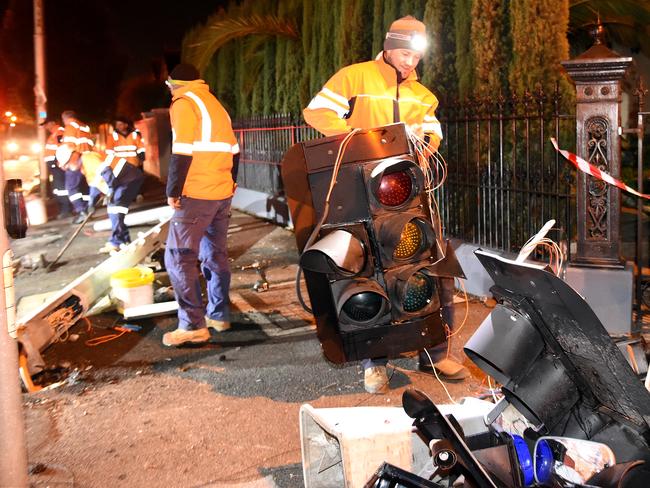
(125, 191)
(77, 188)
(198, 231)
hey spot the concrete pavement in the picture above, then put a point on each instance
(226, 414)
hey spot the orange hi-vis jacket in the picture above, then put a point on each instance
(77, 134)
(363, 96)
(51, 145)
(201, 128)
(126, 147)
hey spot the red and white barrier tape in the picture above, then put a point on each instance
(592, 170)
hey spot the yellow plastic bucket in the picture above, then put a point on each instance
(132, 287)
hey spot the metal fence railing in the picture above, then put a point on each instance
(504, 180)
(263, 141)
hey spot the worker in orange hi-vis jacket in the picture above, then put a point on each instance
(76, 135)
(123, 174)
(378, 93)
(55, 138)
(200, 186)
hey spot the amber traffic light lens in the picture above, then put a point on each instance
(363, 306)
(395, 188)
(410, 242)
(418, 292)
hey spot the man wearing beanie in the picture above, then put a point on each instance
(200, 185)
(378, 93)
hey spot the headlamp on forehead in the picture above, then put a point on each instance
(419, 42)
(411, 40)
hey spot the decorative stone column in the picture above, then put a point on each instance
(598, 74)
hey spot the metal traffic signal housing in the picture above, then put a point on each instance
(372, 257)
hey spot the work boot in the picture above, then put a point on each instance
(447, 369)
(81, 216)
(108, 248)
(179, 337)
(218, 325)
(375, 379)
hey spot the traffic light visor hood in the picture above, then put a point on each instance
(338, 251)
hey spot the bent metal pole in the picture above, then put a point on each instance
(13, 453)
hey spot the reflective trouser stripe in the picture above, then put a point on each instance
(118, 167)
(116, 209)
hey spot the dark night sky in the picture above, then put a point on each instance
(92, 46)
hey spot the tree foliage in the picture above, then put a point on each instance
(539, 42)
(272, 57)
(490, 40)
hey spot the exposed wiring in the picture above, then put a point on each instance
(326, 208)
(462, 324)
(107, 338)
(434, 178)
(61, 320)
(438, 378)
(494, 396)
(556, 255)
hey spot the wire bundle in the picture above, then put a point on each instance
(556, 255)
(434, 177)
(61, 320)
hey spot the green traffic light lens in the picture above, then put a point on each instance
(363, 306)
(410, 241)
(418, 292)
(395, 188)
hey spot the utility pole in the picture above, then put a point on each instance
(13, 451)
(39, 90)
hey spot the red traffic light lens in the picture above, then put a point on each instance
(418, 292)
(363, 306)
(395, 188)
(410, 241)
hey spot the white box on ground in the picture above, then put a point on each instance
(343, 447)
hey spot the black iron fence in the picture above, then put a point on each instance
(504, 178)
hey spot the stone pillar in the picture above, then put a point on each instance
(598, 74)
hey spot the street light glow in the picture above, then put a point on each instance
(36, 148)
(8, 113)
(13, 118)
(12, 146)
(13, 124)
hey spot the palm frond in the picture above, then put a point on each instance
(201, 43)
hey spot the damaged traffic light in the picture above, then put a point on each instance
(370, 252)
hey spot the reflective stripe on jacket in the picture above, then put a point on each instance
(362, 96)
(78, 134)
(51, 145)
(201, 128)
(124, 146)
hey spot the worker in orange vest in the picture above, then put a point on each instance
(200, 186)
(123, 175)
(77, 136)
(378, 93)
(57, 175)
